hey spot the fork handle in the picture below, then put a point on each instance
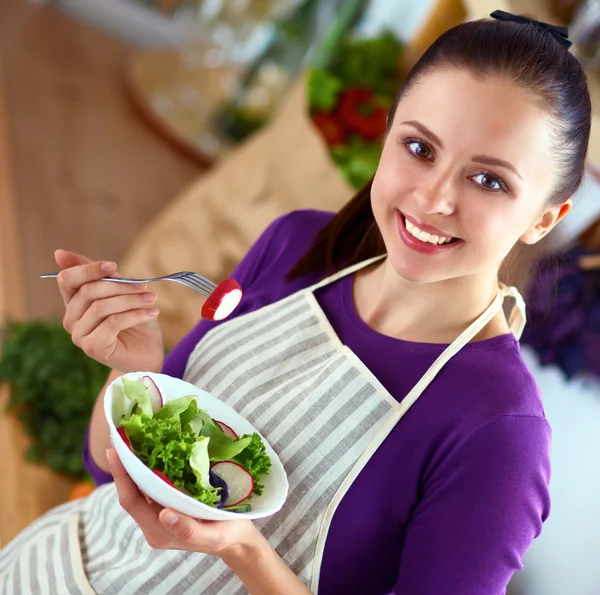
(113, 279)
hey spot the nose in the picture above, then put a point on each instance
(435, 195)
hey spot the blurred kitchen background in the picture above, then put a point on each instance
(167, 134)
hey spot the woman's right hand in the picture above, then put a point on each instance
(114, 323)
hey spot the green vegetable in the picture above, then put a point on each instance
(371, 63)
(255, 459)
(181, 440)
(323, 90)
(358, 160)
(200, 463)
(137, 392)
(53, 387)
(222, 447)
(162, 445)
(183, 409)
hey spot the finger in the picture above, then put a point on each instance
(101, 342)
(95, 301)
(65, 259)
(130, 497)
(71, 279)
(185, 528)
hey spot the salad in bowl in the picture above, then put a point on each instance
(189, 451)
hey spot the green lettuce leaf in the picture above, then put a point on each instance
(136, 391)
(221, 447)
(255, 460)
(200, 463)
(162, 445)
(323, 90)
(182, 409)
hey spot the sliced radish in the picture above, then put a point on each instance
(121, 431)
(238, 480)
(223, 300)
(226, 430)
(153, 393)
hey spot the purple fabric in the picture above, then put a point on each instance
(455, 495)
(564, 315)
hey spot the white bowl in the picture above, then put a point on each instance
(275, 483)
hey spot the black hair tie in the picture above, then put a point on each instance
(561, 34)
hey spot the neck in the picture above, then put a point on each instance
(424, 312)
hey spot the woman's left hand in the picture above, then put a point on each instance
(166, 529)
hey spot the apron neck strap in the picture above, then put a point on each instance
(516, 322)
(518, 315)
(345, 272)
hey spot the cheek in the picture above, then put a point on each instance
(496, 223)
(391, 181)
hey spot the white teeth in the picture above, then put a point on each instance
(423, 235)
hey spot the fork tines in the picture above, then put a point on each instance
(195, 281)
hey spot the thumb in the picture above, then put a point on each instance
(65, 259)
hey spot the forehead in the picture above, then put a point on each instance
(478, 114)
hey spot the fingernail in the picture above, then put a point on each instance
(170, 517)
(109, 456)
(139, 285)
(153, 312)
(149, 297)
(109, 267)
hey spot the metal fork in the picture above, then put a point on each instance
(192, 280)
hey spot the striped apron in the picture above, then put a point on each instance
(284, 369)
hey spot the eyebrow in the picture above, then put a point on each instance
(425, 132)
(484, 159)
(499, 162)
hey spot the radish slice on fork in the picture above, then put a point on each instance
(222, 301)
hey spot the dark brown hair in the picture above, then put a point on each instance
(529, 56)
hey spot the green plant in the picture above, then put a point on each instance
(53, 387)
(349, 98)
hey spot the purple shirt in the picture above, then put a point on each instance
(454, 496)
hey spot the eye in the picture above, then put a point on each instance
(490, 182)
(418, 148)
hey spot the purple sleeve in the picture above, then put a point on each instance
(480, 511)
(98, 475)
(175, 362)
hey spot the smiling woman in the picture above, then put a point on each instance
(371, 350)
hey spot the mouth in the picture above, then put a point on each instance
(430, 240)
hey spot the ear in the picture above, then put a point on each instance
(546, 222)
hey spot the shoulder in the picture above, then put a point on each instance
(280, 246)
(286, 239)
(494, 372)
(297, 228)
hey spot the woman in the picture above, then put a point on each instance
(371, 349)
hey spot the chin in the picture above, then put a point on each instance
(416, 273)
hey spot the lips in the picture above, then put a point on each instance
(426, 227)
(424, 247)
